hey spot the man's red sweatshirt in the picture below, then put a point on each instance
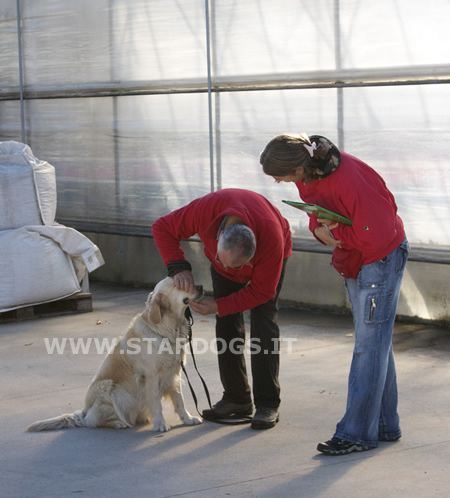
(204, 216)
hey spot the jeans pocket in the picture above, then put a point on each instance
(402, 258)
(373, 275)
(378, 308)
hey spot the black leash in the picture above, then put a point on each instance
(190, 319)
(242, 420)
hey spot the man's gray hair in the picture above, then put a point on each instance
(238, 239)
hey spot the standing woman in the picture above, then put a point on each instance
(371, 255)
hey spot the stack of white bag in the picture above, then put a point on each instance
(40, 260)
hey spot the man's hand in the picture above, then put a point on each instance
(324, 232)
(204, 306)
(184, 281)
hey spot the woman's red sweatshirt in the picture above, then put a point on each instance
(358, 192)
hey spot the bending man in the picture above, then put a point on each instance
(247, 242)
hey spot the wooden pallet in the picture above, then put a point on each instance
(78, 303)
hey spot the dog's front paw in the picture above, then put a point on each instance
(160, 426)
(190, 420)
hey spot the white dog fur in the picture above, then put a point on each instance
(128, 388)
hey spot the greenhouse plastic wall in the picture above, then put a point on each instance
(142, 106)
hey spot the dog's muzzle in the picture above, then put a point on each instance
(198, 294)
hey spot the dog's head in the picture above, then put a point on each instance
(168, 301)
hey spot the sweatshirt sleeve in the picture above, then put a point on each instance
(313, 224)
(171, 229)
(374, 216)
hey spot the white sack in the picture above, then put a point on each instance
(84, 254)
(27, 188)
(33, 270)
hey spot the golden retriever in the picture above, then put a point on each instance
(143, 367)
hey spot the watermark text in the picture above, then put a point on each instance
(152, 345)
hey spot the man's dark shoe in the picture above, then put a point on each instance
(265, 418)
(336, 446)
(227, 410)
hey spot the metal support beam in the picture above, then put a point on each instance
(338, 63)
(19, 44)
(413, 75)
(210, 108)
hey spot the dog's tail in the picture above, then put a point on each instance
(66, 421)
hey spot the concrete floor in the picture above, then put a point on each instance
(210, 459)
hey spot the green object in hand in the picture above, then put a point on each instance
(320, 212)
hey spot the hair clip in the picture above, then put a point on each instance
(311, 148)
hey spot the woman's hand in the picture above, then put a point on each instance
(324, 232)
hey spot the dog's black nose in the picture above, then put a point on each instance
(186, 300)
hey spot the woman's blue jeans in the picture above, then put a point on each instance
(371, 413)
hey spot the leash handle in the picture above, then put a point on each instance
(190, 319)
(194, 397)
(244, 420)
(205, 387)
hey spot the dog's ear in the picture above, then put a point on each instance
(155, 310)
(158, 305)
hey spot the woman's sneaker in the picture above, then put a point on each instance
(336, 446)
(389, 439)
